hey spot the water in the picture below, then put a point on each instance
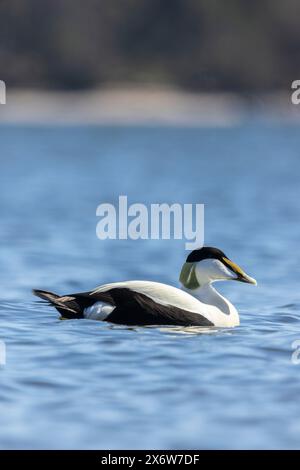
(84, 384)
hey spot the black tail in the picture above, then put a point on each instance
(67, 305)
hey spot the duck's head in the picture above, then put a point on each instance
(206, 265)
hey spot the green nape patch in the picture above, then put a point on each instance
(188, 276)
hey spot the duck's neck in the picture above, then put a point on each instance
(210, 296)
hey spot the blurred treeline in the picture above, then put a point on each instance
(238, 45)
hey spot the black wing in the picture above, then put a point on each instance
(131, 308)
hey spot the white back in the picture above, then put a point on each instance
(161, 293)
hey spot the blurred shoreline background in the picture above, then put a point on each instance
(148, 106)
(137, 62)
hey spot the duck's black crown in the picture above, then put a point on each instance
(207, 252)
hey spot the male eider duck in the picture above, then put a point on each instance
(197, 303)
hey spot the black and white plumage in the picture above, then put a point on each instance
(197, 303)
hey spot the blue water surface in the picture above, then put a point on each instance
(82, 384)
